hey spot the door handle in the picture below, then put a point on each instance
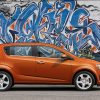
(40, 62)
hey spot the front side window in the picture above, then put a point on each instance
(44, 51)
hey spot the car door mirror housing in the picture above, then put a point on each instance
(66, 57)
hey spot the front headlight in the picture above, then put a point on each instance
(98, 65)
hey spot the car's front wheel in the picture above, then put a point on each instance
(5, 81)
(84, 80)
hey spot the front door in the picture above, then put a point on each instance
(50, 68)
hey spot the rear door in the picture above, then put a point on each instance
(22, 60)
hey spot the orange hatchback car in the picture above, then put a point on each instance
(40, 63)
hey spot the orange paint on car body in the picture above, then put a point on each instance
(45, 70)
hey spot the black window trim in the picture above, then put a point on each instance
(30, 46)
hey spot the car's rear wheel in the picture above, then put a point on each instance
(84, 80)
(5, 81)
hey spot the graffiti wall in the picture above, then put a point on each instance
(67, 23)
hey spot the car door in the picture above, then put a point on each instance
(50, 68)
(22, 61)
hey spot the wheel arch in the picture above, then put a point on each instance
(7, 71)
(88, 70)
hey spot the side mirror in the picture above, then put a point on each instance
(65, 57)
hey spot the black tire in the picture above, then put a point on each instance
(9, 78)
(87, 73)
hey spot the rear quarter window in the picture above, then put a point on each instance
(18, 50)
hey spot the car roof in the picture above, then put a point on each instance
(28, 43)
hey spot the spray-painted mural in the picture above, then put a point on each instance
(61, 22)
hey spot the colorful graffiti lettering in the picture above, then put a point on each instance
(60, 23)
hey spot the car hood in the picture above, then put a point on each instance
(89, 61)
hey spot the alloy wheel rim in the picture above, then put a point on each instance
(84, 81)
(4, 81)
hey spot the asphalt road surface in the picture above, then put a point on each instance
(34, 92)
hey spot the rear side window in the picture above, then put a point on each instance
(21, 50)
